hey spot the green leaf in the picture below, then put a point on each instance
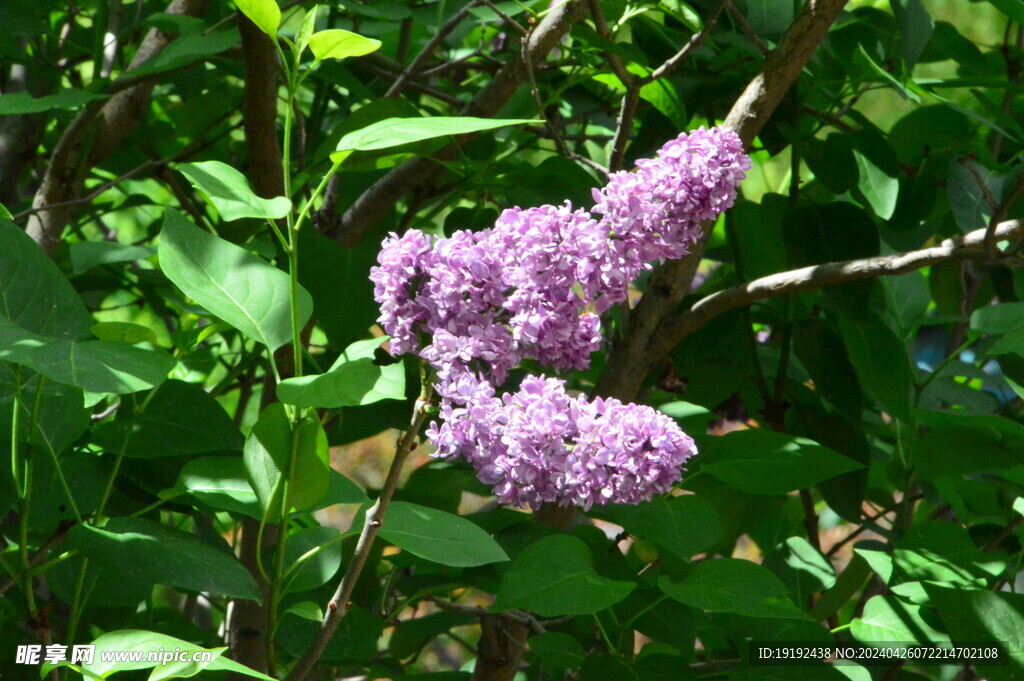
(229, 191)
(4, 213)
(984, 615)
(353, 380)
(315, 555)
(17, 103)
(993, 441)
(972, 190)
(997, 319)
(237, 286)
(88, 254)
(684, 525)
(607, 667)
(1010, 343)
(769, 17)
(393, 132)
(733, 585)
(1011, 8)
(337, 279)
(312, 477)
(943, 552)
(879, 189)
(58, 414)
(881, 361)
(181, 419)
(123, 332)
(801, 567)
(264, 13)
(916, 28)
(557, 649)
(888, 618)
(36, 295)
(341, 490)
(758, 461)
(692, 418)
(146, 642)
(160, 554)
(268, 450)
(832, 161)
(555, 576)
(189, 49)
(335, 43)
(96, 366)
(903, 90)
(306, 29)
(220, 482)
(439, 536)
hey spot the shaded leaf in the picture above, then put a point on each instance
(161, 554)
(180, 419)
(758, 461)
(220, 482)
(733, 585)
(36, 295)
(684, 525)
(20, 103)
(555, 576)
(557, 649)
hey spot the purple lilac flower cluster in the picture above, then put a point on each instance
(475, 305)
(540, 444)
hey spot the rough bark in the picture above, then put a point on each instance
(376, 201)
(92, 135)
(247, 626)
(632, 356)
(502, 640)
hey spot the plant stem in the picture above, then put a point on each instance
(76, 602)
(338, 606)
(279, 553)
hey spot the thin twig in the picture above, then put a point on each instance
(999, 213)
(553, 133)
(399, 85)
(1006, 532)
(865, 526)
(618, 68)
(450, 100)
(506, 18)
(624, 126)
(969, 247)
(338, 606)
(44, 550)
(989, 198)
(745, 26)
(690, 46)
(640, 346)
(378, 199)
